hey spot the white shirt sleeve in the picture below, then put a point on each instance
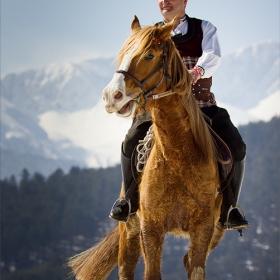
(211, 55)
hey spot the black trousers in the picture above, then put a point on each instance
(223, 126)
(136, 132)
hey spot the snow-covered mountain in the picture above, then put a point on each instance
(249, 75)
(53, 117)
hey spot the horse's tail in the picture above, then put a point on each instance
(98, 261)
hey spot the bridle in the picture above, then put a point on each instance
(149, 93)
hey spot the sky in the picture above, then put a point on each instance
(35, 33)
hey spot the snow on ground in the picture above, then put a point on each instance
(267, 108)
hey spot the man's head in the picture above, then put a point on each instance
(171, 8)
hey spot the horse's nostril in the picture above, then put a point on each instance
(118, 96)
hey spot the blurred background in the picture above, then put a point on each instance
(60, 150)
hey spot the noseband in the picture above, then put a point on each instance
(163, 64)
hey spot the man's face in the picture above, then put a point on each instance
(171, 8)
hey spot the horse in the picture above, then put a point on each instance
(179, 188)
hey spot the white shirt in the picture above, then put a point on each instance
(211, 53)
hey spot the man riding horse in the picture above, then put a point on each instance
(197, 43)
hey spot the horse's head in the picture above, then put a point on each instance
(145, 61)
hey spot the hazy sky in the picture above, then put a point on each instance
(35, 33)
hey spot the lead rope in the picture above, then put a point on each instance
(144, 149)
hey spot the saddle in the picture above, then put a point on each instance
(225, 160)
(224, 157)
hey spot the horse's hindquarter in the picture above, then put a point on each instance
(177, 185)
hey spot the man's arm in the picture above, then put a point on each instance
(211, 56)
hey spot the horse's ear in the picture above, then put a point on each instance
(135, 25)
(166, 30)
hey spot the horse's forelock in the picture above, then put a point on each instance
(140, 40)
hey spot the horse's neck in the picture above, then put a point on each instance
(171, 124)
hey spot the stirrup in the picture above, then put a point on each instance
(227, 226)
(119, 201)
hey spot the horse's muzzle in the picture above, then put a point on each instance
(111, 109)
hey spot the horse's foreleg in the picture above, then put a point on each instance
(151, 244)
(195, 259)
(218, 230)
(129, 248)
(216, 238)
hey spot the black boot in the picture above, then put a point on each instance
(233, 218)
(126, 205)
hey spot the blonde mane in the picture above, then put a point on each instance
(143, 38)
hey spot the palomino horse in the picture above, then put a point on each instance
(179, 185)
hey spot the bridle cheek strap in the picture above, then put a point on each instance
(141, 85)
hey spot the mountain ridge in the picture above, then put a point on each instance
(56, 112)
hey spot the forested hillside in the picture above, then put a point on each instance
(46, 220)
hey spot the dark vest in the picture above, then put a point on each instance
(190, 43)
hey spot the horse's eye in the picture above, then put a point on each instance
(149, 56)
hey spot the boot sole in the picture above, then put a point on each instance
(236, 227)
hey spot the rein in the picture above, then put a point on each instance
(149, 94)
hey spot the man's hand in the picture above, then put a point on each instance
(196, 74)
